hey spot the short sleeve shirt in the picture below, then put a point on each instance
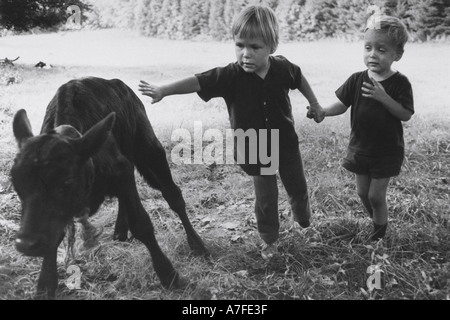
(374, 130)
(256, 103)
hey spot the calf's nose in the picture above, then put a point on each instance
(29, 246)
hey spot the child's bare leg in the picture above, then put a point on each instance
(373, 196)
(362, 188)
(377, 198)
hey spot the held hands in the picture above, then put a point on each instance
(152, 91)
(316, 112)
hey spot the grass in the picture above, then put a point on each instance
(328, 262)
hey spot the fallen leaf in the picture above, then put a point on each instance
(236, 238)
(327, 281)
(393, 282)
(242, 273)
(205, 221)
(230, 225)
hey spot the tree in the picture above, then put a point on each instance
(126, 14)
(352, 17)
(414, 13)
(23, 15)
(170, 15)
(187, 19)
(437, 22)
(231, 10)
(195, 15)
(288, 12)
(318, 19)
(149, 17)
(217, 26)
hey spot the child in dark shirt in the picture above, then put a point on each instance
(256, 92)
(380, 99)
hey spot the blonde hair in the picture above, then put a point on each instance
(257, 22)
(394, 29)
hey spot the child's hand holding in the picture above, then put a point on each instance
(152, 91)
(316, 112)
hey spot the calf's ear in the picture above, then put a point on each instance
(92, 141)
(21, 127)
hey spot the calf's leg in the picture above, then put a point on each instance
(48, 278)
(121, 227)
(172, 194)
(152, 164)
(142, 229)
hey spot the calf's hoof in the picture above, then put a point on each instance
(43, 295)
(120, 236)
(198, 247)
(199, 250)
(174, 281)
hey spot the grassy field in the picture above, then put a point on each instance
(327, 261)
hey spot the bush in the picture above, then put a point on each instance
(190, 19)
(23, 15)
(299, 19)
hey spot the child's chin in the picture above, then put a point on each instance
(248, 69)
(375, 70)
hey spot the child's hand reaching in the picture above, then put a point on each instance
(316, 112)
(152, 91)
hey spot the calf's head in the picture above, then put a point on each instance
(53, 175)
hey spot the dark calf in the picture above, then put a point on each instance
(95, 132)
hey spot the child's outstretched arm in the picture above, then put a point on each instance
(157, 93)
(315, 109)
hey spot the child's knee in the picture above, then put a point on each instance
(377, 200)
(363, 194)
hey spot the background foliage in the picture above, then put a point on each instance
(299, 19)
(212, 19)
(23, 15)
